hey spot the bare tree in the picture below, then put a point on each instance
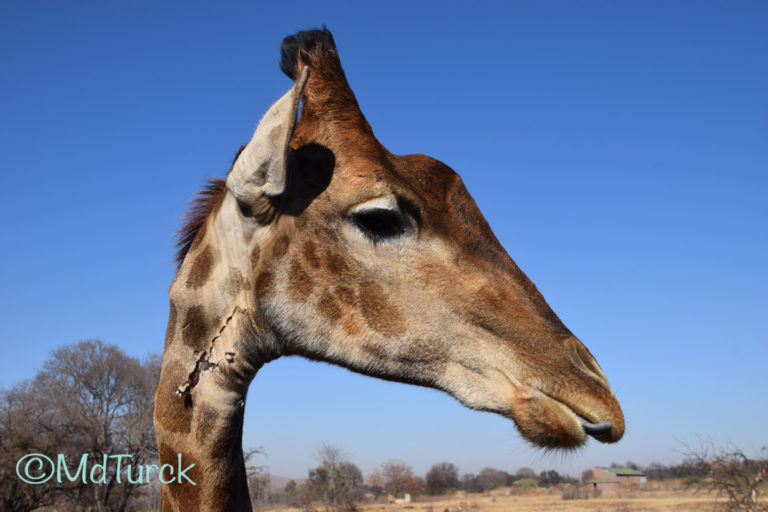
(587, 475)
(89, 398)
(442, 477)
(26, 428)
(397, 478)
(491, 478)
(525, 473)
(733, 475)
(549, 478)
(336, 482)
(259, 478)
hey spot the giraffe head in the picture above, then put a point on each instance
(384, 264)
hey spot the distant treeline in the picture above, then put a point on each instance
(338, 483)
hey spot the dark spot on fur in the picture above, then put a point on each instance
(264, 284)
(347, 301)
(310, 254)
(228, 442)
(170, 330)
(255, 256)
(201, 268)
(342, 305)
(346, 295)
(280, 247)
(186, 495)
(234, 281)
(380, 314)
(300, 283)
(169, 407)
(422, 351)
(206, 423)
(496, 299)
(328, 306)
(351, 325)
(336, 264)
(196, 328)
(377, 351)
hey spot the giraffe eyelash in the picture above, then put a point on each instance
(379, 224)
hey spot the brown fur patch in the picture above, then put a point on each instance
(234, 282)
(280, 247)
(264, 284)
(346, 295)
(228, 443)
(496, 299)
(196, 328)
(300, 221)
(351, 325)
(201, 268)
(379, 313)
(347, 302)
(328, 306)
(170, 330)
(310, 255)
(422, 351)
(300, 283)
(169, 407)
(336, 264)
(206, 423)
(186, 495)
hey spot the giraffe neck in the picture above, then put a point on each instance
(213, 446)
(213, 350)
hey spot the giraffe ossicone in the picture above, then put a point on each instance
(322, 243)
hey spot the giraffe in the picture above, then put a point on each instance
(323, 244)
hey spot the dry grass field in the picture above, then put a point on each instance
(618, 502)
(542, 501)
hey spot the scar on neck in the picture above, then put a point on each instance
(203, 361)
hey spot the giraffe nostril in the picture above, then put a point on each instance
(584, 359)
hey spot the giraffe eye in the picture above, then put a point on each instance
(379, 224)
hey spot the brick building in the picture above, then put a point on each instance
(611, 479)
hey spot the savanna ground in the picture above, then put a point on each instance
(609, 502)
(661, 500)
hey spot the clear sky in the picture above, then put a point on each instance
(619, 151)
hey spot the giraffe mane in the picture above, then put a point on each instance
(205, 202)
(202, 205)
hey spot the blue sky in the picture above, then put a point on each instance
(619, 151)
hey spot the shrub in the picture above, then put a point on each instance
(574, 493)
(691, 480)
(526, 483)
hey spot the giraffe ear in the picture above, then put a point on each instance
(261, 167)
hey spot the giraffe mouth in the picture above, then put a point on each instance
(602, 431)
(558, 421)
(581, 420)
(595, 430)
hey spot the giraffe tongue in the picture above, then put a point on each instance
(595, 429)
